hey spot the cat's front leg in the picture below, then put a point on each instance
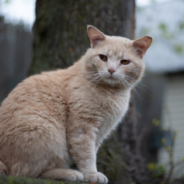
(82, 148)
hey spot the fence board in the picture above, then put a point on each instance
(15, 56)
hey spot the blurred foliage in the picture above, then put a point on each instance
(6, 1)
(163, 27)
(181, 26)
(158, 170)
(156, 122)
(167, 140)
(112, 161)
(178, 49)
(165, 31)
(153, 1)
(145, 30)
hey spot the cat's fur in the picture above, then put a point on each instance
(51, 120)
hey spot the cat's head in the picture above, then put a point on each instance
(115, 61)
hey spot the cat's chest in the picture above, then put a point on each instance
(114, 110)
(99, 110)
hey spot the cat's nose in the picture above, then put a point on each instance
(111, 70)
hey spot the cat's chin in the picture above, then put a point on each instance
(111, 79)
(112, 82)
(115, 83)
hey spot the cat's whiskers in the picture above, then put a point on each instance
(94, 78)
(123, 79)
(139, 95)
(140, 84)
(127, 85)
(127, 81)
(141, 87)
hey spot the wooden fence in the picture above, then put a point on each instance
(15, 56)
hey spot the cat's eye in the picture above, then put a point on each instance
(103, 57)
(125, 61)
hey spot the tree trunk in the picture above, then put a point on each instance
(60, 38)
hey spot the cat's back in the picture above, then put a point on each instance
(37, 95)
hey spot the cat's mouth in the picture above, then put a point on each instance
(111, 77)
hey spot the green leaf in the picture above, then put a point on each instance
(178, 49)
(7, 1)
(181, 25)
(163, 27)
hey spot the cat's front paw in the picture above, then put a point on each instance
(75, 176)
(96, 177)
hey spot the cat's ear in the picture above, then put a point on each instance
(95, 35)
(141, 45)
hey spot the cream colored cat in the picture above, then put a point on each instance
(54, 119)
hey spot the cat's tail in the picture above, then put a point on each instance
(3, 168)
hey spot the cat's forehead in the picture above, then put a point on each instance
(115, 45)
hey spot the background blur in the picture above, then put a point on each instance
(160, 96)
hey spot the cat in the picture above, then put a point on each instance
(57, 118)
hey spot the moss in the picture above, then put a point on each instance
(21, 180)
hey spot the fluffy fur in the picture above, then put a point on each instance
(54, 119)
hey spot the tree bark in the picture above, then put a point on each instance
(60, 36)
